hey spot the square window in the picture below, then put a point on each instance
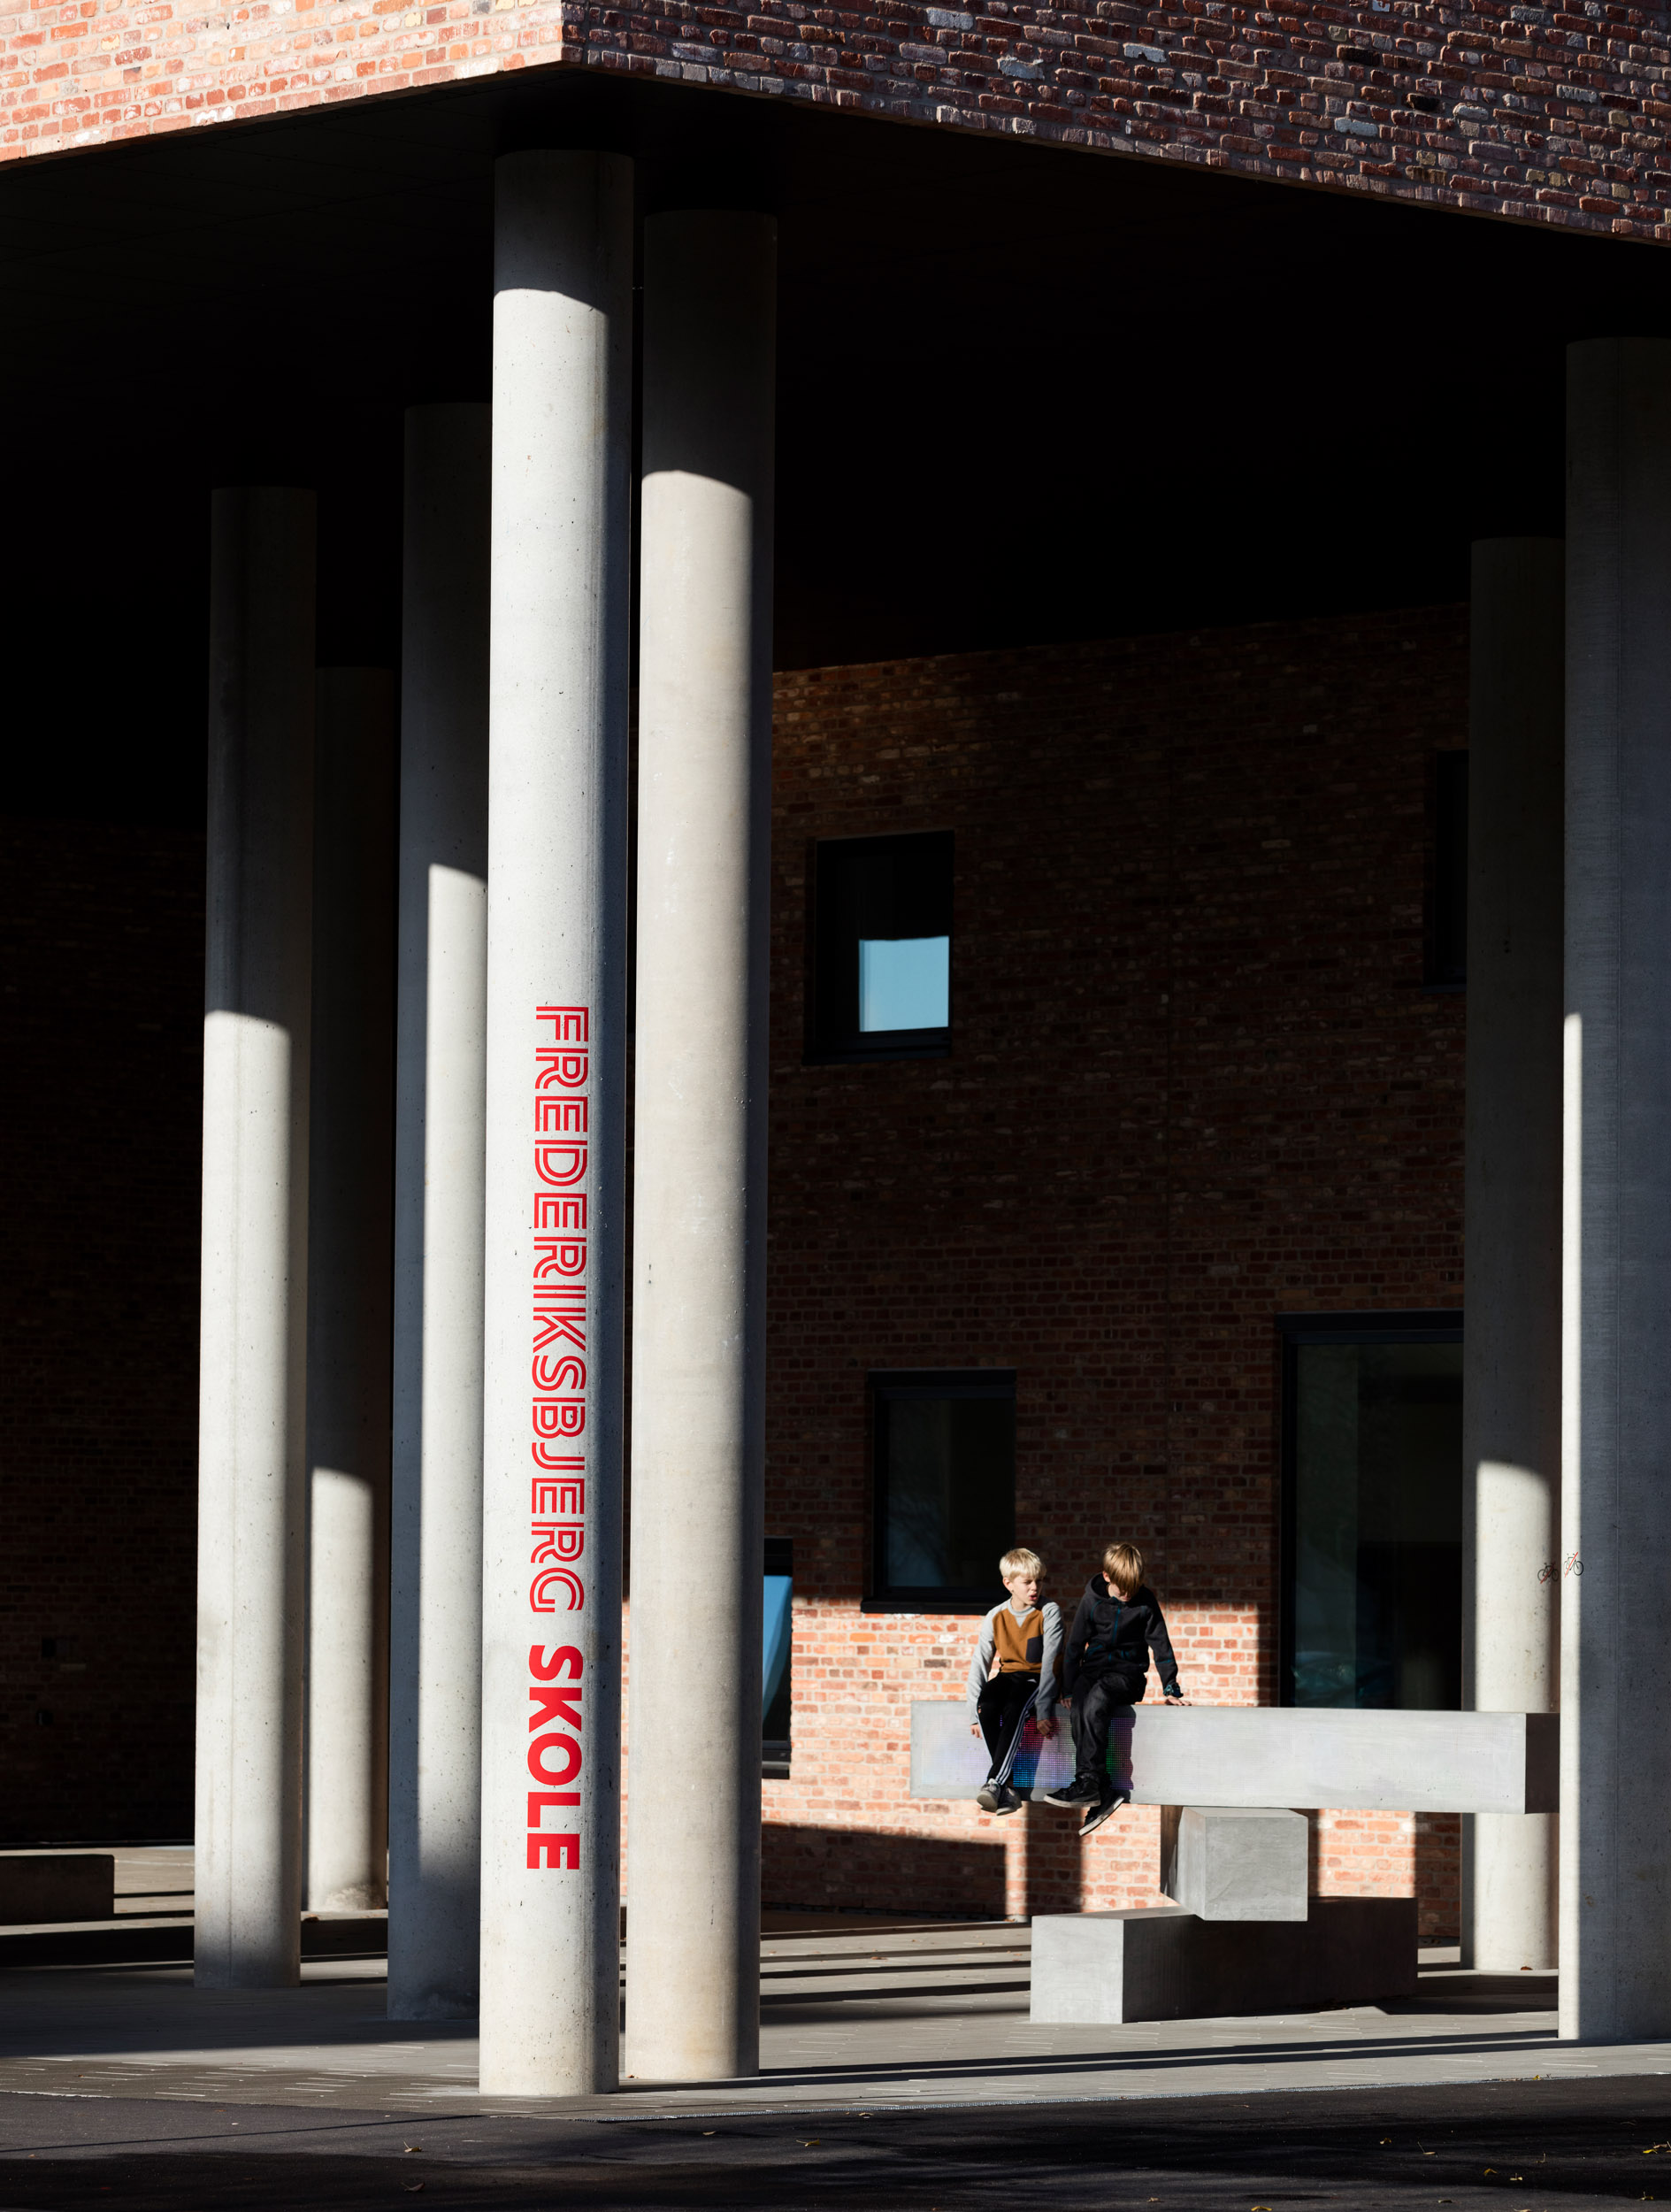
(881, 983)
(944, 1489)
(1372, 1482)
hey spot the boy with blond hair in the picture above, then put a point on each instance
(1013, 1672)
(1106, 1666)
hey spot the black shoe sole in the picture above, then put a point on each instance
(1060, 1797)
(1098, 1814)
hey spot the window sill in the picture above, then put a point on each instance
(907, 1044)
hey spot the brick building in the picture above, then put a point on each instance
(1124, 499)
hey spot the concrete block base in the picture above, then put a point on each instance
(1164, 1964)
(1231, 1863)
(40, 1885)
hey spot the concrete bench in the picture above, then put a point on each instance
(1244, 1936)
(1261, 1756)
(42, 1885)
(1163, 1963)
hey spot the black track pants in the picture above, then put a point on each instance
(1005, 1703)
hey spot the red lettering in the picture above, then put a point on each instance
(570, 1025)
(564, 1660)
(556, 1540)
(560, 1163)
(561, 1851)
(560, 1117)
(537, 1800)
(566, 1068)
(558, 1497)
(566, 1749)
(564, 1373)
(563, 1705)
(559, 1417)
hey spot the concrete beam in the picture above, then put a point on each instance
(1511, 1354)
(434, 1869)
(350, 1150)
(554, 1323)
(1284, 1755)
(704, 891)
(252, 1385)
(1615, 1583)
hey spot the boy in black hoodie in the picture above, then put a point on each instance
(1105, 1666)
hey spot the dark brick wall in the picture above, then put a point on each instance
(101, 1029)
(1196, 1082)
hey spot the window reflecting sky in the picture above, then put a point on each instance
(905, 982)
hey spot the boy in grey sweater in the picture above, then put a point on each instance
(1012, 1670)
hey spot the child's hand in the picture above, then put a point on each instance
(1047, 1728)
(974, 1728)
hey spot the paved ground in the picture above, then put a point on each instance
(1540, 2148)
(878, 2014)
(898, 2066)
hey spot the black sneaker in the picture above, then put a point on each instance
(988, 1796)
(1098, 1814)
(1081, 1790)
(1008, 1802)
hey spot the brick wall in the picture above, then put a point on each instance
(1197, 1083)
(101, 1036)
(1552, 114)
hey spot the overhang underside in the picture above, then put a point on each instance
(1025, 396)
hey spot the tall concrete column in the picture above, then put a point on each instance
(349, 1252)
(1615, 1784)
(556, 1023)
(252, 1394)
(1511, 1370)
(700, 1143)
(435, 1694)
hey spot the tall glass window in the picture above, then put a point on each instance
(881, 986)
(944, 1475)
(1372, 1611)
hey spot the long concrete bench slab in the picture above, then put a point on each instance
(1340, 1760)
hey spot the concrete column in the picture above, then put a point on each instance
(252, 1440)
(1615, 1784)
(435, 1696)
(700, 1143)
(349, 1228)
(1511, 1385)
(556, 1023)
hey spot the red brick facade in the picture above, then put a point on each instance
(1553, 114)
(1196, 1082)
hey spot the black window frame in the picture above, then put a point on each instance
(829, 1041)
(1434, 1325)
(883, 1386)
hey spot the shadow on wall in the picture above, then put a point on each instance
(826, 1869)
